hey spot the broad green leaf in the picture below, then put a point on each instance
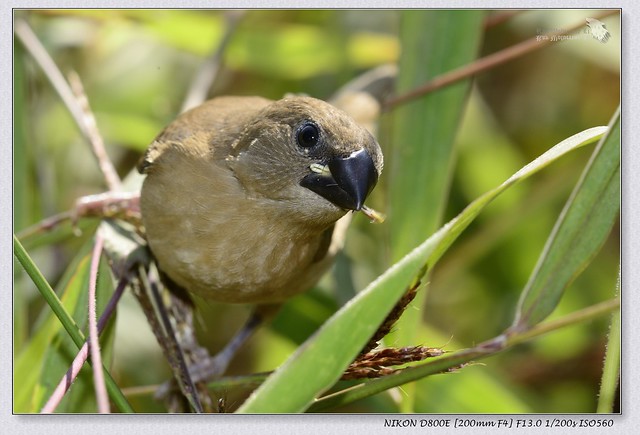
(320, 361)
(433, 42)
(424, 130)
(580, 231)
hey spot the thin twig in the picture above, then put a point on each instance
(96, 358)
(80, 111)
(209, 69)
(71, 375)
(77, 103)
(50, 69)
(486, 63)
(93, 135)
(590, 312)
(52, 72)
(45, 225)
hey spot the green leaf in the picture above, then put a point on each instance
(580, 231)
(47, 292)
(424, 131)
(321, 360)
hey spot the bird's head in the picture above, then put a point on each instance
(309, 156)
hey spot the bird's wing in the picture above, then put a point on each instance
(221, 119)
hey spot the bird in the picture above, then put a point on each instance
(241, 198)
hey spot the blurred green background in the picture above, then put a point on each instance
(137, 66)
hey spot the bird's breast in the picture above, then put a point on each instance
(235, 261)
(223, 246)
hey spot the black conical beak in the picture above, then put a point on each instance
(346, 182)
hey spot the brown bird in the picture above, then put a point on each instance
(242, 194)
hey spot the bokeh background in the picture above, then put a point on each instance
(137, 66)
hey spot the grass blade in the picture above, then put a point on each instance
(580, 231)
(423, 135)
(47, 292)
(424, 130)
(611, 369)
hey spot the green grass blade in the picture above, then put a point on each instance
(611, 369)
(320, 361)
(460, 222)
(580, 231)
(424, 130)
(69, 324)
(421, 158)
(47, 292)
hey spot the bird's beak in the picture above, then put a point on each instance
(346, 182)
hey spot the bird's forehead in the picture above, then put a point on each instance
(341, 133)
(331, 120)
(294, 110)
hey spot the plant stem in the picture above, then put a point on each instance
(487, 62)
(458, 359)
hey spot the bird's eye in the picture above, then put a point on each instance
(308, 135)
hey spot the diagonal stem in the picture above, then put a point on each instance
(487, 62)
(80, 112)
(93, 134)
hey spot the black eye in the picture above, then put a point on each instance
(308, 135)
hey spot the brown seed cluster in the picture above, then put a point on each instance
(381, 362)
(392, 318)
